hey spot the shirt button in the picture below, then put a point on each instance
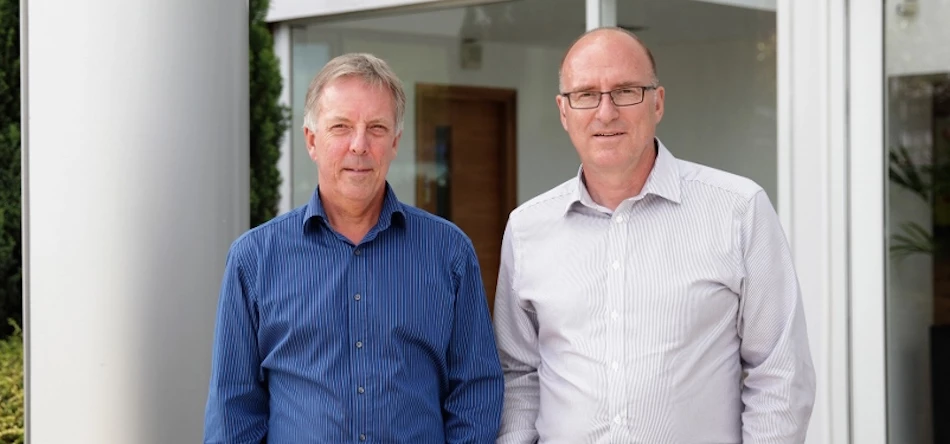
(618, 219)
(360, 390)
(357, 252)
(357, 296)
(362, 437)
(615, 366)
(618, 419)
(614, 314)
(616, 265)
(359, 344)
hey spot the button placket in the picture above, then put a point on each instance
(616, 294)
(614, 287)
(358, 336)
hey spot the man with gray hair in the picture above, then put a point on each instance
(353, 318)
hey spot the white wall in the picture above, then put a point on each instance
(720, 103)
(308, 55)
(293, 9)
(720, 107)
(919, 44)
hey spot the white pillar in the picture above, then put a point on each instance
(135, 181)
(868, 229)
(601, 13)
(813, 193)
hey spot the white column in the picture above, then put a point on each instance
(601, 13)
(868, 168)
(135, 183)
(813, 193)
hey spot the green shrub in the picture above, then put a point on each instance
(269, 119)
(11, 295)
(11, 388)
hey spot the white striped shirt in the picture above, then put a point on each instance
(638, 325)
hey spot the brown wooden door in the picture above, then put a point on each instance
(465, 155)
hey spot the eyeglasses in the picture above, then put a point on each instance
(626, 96)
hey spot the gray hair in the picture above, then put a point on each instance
(367, 67)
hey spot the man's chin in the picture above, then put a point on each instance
(360, 189)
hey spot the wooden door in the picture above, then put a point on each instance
(465, 157)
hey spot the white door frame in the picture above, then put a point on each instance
(868, 230)
(813, 193)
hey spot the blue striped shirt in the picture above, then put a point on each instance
(321, 341)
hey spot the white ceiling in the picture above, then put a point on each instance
(558, 22)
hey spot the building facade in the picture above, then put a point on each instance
(135, 174)
(809, 98)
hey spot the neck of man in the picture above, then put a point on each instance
(353, 218)
(608, 188)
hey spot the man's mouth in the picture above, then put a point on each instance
(357, 170)
(609, 134)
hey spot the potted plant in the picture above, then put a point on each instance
(930, 181)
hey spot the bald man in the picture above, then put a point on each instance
(648, 299)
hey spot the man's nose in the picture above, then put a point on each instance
(359, 144)
(607, 111)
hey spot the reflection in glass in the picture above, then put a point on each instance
(443, 139)
(917, 72)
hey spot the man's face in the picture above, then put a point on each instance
(355, 139)
(610, 138)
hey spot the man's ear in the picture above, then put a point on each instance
(659, 103)
(395, 147)
(310, 138)
(562, 109)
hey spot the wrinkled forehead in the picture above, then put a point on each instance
(582, 76)
(352, 95)
(606, 61)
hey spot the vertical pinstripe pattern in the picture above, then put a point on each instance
(635, 326)
(321, 341)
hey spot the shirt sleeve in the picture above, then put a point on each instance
(779, 387)
(473, 405)
(516, 329)
(237, 407)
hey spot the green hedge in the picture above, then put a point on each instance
(269, 120)
(11, 296)
(11, 388)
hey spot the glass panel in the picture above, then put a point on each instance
(917, 72)
(718, 65)
(309, 52)
(482, 131)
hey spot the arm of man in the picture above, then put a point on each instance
(237, 408)
(516, 330)
(779, 387)
(473, 405)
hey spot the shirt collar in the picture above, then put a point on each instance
(391, 213)
(664, 181)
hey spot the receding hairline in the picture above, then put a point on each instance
(605, 29)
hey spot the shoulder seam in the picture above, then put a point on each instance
(721, 188)
(536, 202)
